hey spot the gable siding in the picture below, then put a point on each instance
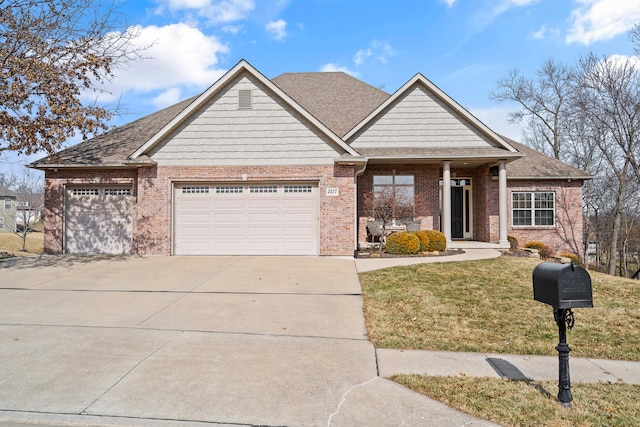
(419, 119)
(221, 134)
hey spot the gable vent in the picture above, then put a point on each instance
(244, 99)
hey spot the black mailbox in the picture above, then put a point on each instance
(562, 285)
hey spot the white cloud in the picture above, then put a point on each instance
(596, 20)
(335, 67)
(361, 55)
(278, 29)
(232, 29)
(449, 3)
(377, 49)
(168, 97)
(179, 56)
(539, 35)
(216, 11)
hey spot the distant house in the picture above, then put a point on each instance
(256, 166)
(8, 205)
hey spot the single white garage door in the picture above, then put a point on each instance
(246, 219)
(98, 220)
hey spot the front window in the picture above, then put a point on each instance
(533, 208)
(7, 204)
(395, 193)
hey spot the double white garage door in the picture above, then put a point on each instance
(246, 219)
(208, 219)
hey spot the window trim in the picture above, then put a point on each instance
(532, 209)
(7, 202)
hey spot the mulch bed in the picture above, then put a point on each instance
(375, 253)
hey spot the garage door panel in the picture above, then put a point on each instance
(251, 220)
(96, 222)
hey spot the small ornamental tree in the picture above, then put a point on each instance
(388, 205)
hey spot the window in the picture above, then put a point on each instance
(229, 189)
(537, 209)
(117, 191)
(263, 189)
(204, 189)
(400, 187)
(85, 191)
(1, 223)
(7, 204)
(297, 189)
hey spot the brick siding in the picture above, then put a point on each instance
(153, 200)
(565, 236)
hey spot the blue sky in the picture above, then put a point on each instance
(463, 46)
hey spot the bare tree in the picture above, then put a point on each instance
(388, 205)
(52, 54)
(543, 100)
(608, 99)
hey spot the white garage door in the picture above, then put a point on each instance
(98, 220)
(246, 219)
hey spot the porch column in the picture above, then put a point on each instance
(502, 202)
(446, 200)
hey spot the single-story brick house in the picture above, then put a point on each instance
(280, 167)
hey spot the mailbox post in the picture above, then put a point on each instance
(563, 286)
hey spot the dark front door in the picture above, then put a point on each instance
(457, 216)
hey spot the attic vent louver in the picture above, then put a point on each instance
(244, 99)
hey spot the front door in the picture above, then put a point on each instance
(461, 208)
(457, 212)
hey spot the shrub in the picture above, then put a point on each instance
(543, 249)
(437, 241)
(513, 242)
(403, 243)
(573, 257)
(424, 239)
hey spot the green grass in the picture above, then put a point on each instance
(488, 306)
(532, 403)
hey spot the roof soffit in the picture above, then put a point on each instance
(242, 67)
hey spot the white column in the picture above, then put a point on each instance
(502, 202)
(446, 200)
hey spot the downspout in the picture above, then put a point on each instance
(355, 206)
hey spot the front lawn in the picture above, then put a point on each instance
(12, 243)
(488, 306)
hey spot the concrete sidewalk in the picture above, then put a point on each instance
(514, 367)
(370, 264)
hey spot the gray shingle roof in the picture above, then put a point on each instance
(110, 148)
(335, 98)
(540, 166)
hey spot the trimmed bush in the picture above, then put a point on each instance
(424, 239)
(403, 243)
(573, 257)
(437, 241)
(513, 242)
(543, 249)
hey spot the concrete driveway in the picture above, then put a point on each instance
(193, 341)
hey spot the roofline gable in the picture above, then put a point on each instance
(240, 67)
(435, 90)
